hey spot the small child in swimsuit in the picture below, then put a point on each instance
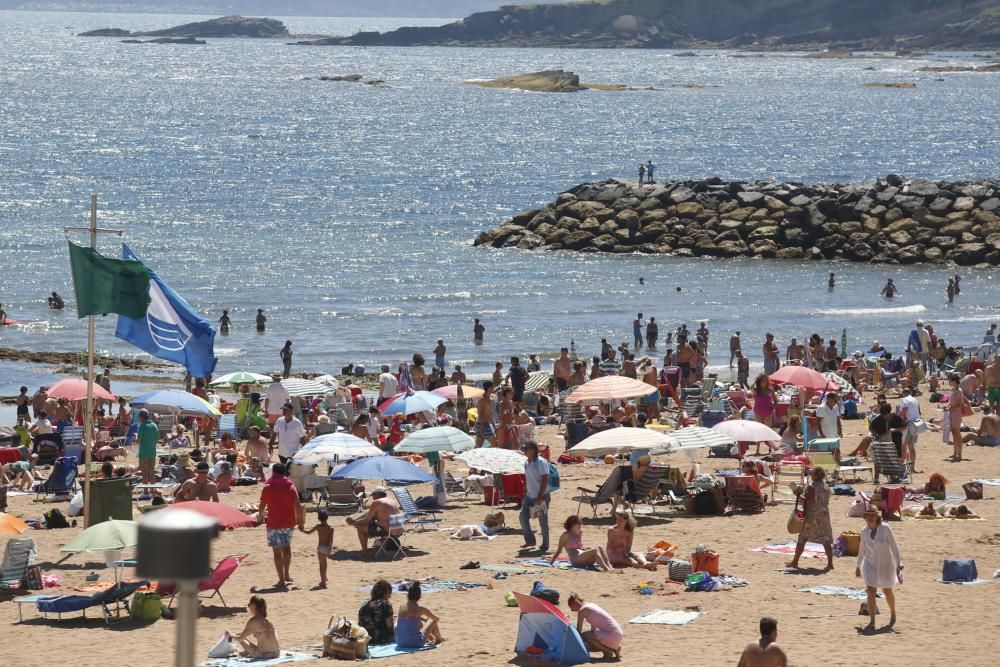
(324, 533)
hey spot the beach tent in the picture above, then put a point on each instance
(545, 633)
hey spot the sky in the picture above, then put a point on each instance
(396, 8)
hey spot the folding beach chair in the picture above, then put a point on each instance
(603, 495)
(888, 463)
(166, 426)
(72, 440)
(673, 485)
(214, 583)
(453, 486)
(411, 513)
(17, 556)
(339, 496)
(824, 460)
(395, 538)
(116, 596)
(744, 494)
(786, 477)
(636, 491)
(226, 424)
(48, 447)
(692, 402)
(61, 481)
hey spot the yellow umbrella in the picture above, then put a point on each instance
(11, 525)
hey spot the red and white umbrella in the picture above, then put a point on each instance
(74, 389)
(801, 377)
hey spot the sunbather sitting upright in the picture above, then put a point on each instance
(572, 541)
(260, 629)
(375, 523)
(619, 548)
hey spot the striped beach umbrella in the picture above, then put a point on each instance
(437, 439)
(610, 387)
(451, 392)
(239, 377)
(299, 387)
(411, 403)
(335, 446)
(698, 436)
(538, 381)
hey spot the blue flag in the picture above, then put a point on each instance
(171, 329)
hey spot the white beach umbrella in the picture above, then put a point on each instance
(335, 446)
(617, 440)
(494, 460)
(747, 431)
(608, 388)
(698, 436)
(328, 380)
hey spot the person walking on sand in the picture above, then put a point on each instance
(536, 500)
(286, 358)
(605, 635)
(477, 332)
(148, 436)
(261, 320)
(879, 564)
(279, 503)
(890, 290)
(765, 652)
(816, 517)
(324, 547)
(225, 323)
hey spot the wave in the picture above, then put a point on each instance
(872, 311)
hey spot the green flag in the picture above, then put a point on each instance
(104, 285)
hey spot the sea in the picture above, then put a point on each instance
(347, 211)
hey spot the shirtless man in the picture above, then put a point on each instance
(772, 362)
(498, 374)
(561, 370)
(485, 430)
(734, 344)
(795, 352)
(651, 402)
(375, 523)
(458, 377)
(993, 384)
(764, 652)
(257, 447)
(506, 408)
(198, 488)
(988, 434)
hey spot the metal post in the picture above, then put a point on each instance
(187, 615)
(88, 416)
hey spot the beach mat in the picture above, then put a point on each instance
(481, 538)
(285, 658)
(812, 550)
(839, 591)
(510, 569)
(391, 650)
(561, 564)
(666, 617)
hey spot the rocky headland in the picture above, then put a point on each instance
(890, 220)
(226, 26)
(846, 25)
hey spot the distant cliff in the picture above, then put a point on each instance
(777, 24)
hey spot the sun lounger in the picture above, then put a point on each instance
(17, 556)
(824, 460)
(888, 463)
(115, 597)
(786, 477)
(744, 495)
(603, 495)
(215, 580)
(226, 424)
(413, 514)
(453, 486)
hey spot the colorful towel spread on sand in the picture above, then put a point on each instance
(666, 617)
(920, 497)
(560, 564)
(839, 591)
(390, 650)
(510, 569)
(988, 482)
(285, 658)
(812, 550)
(429, 586)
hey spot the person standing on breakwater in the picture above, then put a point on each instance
(637, 326)
(225, 323)
(642, 173)
(286, 358)
(831, 281)
(650, 170)
(261, 320)
(477, 332)
(889, 290)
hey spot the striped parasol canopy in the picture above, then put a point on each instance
(610, 387)
(437, 439)
(451, 392)
(699, 436)
(335, 446)
(299, 387)
(328, 380)
(239, 377)
(409, 403)
(537, 381)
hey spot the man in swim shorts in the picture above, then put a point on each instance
(485, 430)
(993, 384)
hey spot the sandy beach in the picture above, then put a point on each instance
(480, 630)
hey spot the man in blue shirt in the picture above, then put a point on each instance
(536, 501)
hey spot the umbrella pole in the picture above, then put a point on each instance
(88, 415)
(187, 614)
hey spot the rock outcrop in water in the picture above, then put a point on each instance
(772, 24)
(548, 81)
(227, 26)
(891, 220)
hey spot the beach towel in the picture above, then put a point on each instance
(560, 564)
(839, 591)
(666, 617)
(964, 583)
(509, 569)
(429, 586)
(390, 650)
(988, 482)
(812, 550)
(485, 538)
(285, 658)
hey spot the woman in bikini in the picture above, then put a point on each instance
(619, 548)
(572, 541)
(260, 629)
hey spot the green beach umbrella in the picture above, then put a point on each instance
(113, 534)
(240, 377)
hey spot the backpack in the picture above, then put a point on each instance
(549, 595)
(553, 478)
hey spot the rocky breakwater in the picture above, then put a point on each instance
(890, 220)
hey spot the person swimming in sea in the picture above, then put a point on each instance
(890, 289)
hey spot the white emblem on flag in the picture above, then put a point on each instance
(165, 326)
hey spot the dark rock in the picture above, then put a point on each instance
(933, 254)
(227, 26)
(941, 205)
(800, 200)
(689, 209)
(967, 254)
(991, 204)
(894, 180)
(861, 252)
(577, 240)
(681, 195)
(887, 194)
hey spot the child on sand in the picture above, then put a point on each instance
(324, 533)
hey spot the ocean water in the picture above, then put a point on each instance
(347, 211)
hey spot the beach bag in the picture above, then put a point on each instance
(146, 606)
(796, 522)
(661, 552)
(705, 561)
(54, 518)
(542, 593)
(852, 542)
(553, 478)
(973, 490)
(344, 641)
(700, 582)
(959, 570)
(223, 648)
(678, 569)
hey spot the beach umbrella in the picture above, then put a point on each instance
(408, 404)
(177, 402)
(608, 388)
(840, 384)
(391, 469)
(537, 381)
(334, 446)
(451, 392)
(699, 436)
(110, 535)
(328, 380)
(239, 377)
(11, 525)
(494, 460)
(747, 431)
(617, 440)
(75, 389)
(299, 387)
(801, 377)
(225, 515)
(436, 439)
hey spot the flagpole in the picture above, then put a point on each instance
(88, 417)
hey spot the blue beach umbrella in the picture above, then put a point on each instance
(175, 401)
(391, 469)
(410, 403)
